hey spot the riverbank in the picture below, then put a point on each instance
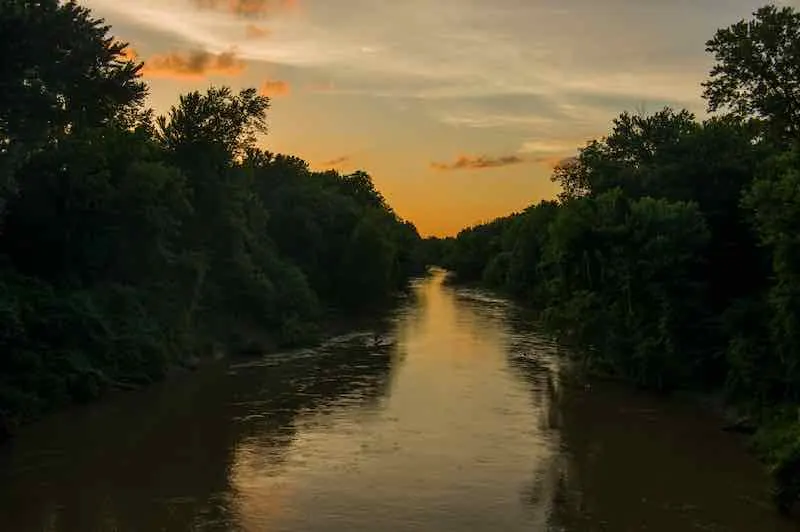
(241, 343)
(771, 434)
(462, 423)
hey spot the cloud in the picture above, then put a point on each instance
(463, 48)
(483, 162)
(337, 161)
(254, 32)
(478, 162)
(193, 65)
(275, 88)
(247, 7)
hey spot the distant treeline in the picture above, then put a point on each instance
(130, 243)
(673, 253)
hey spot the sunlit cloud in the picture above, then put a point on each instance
(274, 88)
(459, 53)
(528, 78)
(193, 65)
(478, 162)
(459, 49)
(483, 162)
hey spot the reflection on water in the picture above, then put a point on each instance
(462, 423)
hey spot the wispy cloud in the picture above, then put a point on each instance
(275, 87)
(478, 162)
(484, 162)
(472, 47)
(505, 81)
(193, 65)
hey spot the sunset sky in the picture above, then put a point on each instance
(457, 108)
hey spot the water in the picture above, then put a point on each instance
(462, 423)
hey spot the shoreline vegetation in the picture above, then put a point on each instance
(671, 256)
(131, 244)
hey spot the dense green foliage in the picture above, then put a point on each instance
(130, 243)
(672, 254)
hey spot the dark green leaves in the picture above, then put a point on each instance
(129, 244)
(217, 120)
(757, 70)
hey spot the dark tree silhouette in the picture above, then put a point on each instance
(757, 70)
(671, 255)
(128, 245)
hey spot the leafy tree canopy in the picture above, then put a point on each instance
(757, 70)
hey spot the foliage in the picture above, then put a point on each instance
(756, 69)
(129, 245)
(774, 203)
(778, 443)
(672, 257)
(72, 75)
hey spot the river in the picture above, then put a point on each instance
(462, 423)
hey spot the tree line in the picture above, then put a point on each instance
(672, 255)
(130, 242)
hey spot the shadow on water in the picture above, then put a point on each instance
(164, 458)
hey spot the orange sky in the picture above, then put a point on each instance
(457, 108)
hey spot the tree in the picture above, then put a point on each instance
(359, 186)
(774, 204)
(757, 70)
(524, 278)
(52, 87)
(626, 157)
(101, 206)
(366, 266)
(129, 244)
(475, 247)
(218, 120)
(205, 135)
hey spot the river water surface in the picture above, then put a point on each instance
(462, 423)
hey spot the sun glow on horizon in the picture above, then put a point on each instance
(458, 121)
